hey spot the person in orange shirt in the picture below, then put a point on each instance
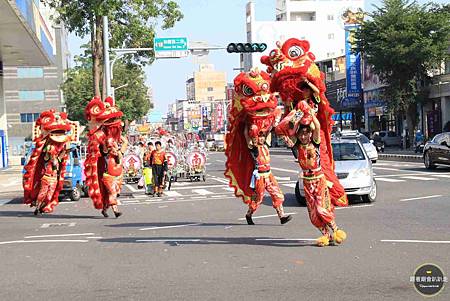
(159, 168)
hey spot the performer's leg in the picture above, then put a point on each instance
(277, 196)
(256, 200)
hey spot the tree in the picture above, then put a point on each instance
(131, 99)
(405, 41)
(132, 24)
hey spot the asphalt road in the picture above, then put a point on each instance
(193, 244)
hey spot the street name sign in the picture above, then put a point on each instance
(171, 47)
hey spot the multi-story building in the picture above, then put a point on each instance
(319, 22)
(26, 39)
(33, 88)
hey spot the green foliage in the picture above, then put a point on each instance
(404, 41)
(132, 99)
(132, 22)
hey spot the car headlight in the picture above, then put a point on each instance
(363, 172)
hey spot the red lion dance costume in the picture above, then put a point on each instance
(296, 77)
(251, 119)
(44, 172)
(103, 165)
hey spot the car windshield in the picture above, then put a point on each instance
(347, 151)
(363, 139)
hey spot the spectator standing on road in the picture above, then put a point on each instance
(147, 170)
(159, 168)
(306, 127)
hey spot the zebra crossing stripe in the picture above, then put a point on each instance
(202, 191)
(228, 189)
(292, 185)
(442, 176)
(419, 178)
(389, 180)
(3, 202)
(171, 193)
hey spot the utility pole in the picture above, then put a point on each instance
(106, 56)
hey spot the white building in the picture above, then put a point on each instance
(319, 22)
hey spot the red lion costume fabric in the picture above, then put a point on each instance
(292, 65)
(44, 172)
(253, 111)
(103, 174)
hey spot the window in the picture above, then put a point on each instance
(210, 89)
(28, 117)
(37, 95)
(35, 72)
(330, 17)
(210, 98)
(331, 36)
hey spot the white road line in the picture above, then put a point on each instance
(168, 240)
(441, 176)
(263, 216)
(169, 227)
(48, 225)
(356, 206)
(162, 207)
(228, 189)
(131, 188)
(417, 241)
(38, 241)
(172, 193)
(61, 235)
(221, 161)
(421, 198)
(410, 174)
(203, 186)
(286, 239)
(3, 202)
(419, 178)
(292, 185)
(389, 180)
(218, 196)
(282, 178)
(286, 170)
(400, 170)
(220, 180)
(202, 191)
(94, 237)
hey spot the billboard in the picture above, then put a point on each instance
(353, 68)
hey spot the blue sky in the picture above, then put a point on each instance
(218, 22)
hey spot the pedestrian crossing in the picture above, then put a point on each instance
(418, 177)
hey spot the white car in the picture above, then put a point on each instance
(370, 149)
(353, 169)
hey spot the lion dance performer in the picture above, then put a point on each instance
(297, 78)
(303, 125)
(44, 172)
(251, 119)
(103, 165)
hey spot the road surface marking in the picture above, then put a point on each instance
(169, 227)
(169, 240)
(389, 180)
(228, 189)
(418, 178)
(176, 184)
(442, 176)
(131, 188)
(282, 178)
(60, 235)
(218, 196)
(356, 206)
(94, 237)
(286, 239)
(48, 225)
(421, 198)
(162, 207)
(220, 180)
(202, 191)
(418, 241)
(402, 170)
(221, 161)
(3, 202)
(285, 170)
(292, 185)
(263, 216)
(172, 193)
(32, 241)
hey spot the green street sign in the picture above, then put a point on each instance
(169, 44)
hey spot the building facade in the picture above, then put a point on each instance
(26, 39)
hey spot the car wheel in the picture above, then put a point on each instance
(371, 197)
(300, 199)
(427, 161)
(75, 194)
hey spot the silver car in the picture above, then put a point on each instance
(370, 149)
(353, 169)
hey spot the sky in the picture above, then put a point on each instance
(218, 22)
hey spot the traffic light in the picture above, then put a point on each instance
(246, 47)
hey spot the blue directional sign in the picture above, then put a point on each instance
(170, 47)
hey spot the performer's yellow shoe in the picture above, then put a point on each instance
(339, 236)
(323, 241)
